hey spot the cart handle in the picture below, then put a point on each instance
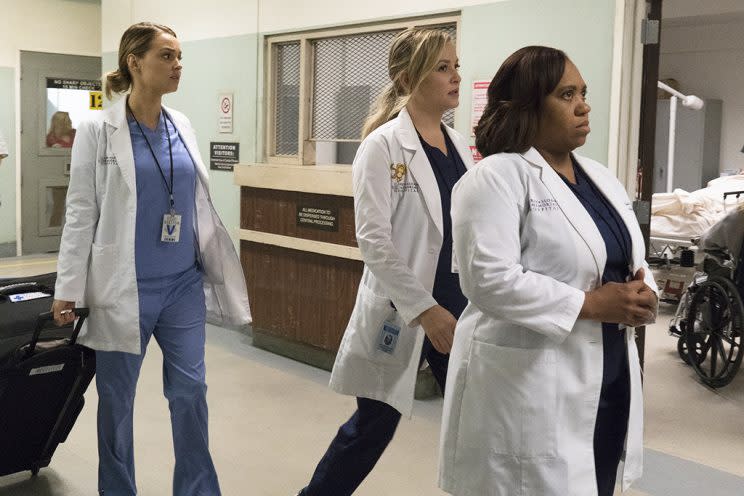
(21, 287)
(80, 313)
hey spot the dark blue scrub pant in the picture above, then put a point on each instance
(172, 310)
(614, 407)
(362, 439)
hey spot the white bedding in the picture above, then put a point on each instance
(683, 215)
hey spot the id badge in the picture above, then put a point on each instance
(171, 228)
(388, 339)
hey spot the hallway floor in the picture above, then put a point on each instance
(271, 419)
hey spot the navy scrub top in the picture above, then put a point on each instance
(618, 245)
(448, 169)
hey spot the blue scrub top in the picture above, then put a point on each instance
(153, 257)
(448, 169)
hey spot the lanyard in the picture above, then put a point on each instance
(168, 188)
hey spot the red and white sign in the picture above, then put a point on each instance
(225, 119)
(478, 102)
(477, 157)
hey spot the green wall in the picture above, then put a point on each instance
(489, 33)
(211, 67)
(582, 28)
(7, 169)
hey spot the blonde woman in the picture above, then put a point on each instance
(61, 133)
(143, 247)
(409, 297)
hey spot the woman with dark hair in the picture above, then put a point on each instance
(144, 248)
(544, 387)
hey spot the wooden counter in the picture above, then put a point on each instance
(302, 263)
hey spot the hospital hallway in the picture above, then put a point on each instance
(271, 418)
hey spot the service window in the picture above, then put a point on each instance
(321, 86)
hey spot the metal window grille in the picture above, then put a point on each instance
(287, 103)
(349, 74)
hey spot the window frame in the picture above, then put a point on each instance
(306, 146)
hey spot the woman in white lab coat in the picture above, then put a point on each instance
(143, 247)
(409, 297)
(544, 388)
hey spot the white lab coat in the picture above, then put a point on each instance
(525, 375)
(399, 231)
(96, 266)
(3, 146)
(726, 234)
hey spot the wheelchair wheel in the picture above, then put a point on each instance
(701, 349)
(714, 327)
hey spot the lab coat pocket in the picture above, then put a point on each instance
(510, 400)
(383, 336)
(103, 284)
(212, 259)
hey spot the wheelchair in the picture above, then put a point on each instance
(709, 321)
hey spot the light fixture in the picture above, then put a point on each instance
(689, 101)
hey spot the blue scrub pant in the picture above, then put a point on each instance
(173, 310)
(361, 441)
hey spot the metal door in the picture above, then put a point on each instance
(57, 93)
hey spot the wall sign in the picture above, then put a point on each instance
(325, 219)
(478, 102)
(225, 112)
(223, 156)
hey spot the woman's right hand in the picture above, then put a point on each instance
(439, 326)
(629, 303)
(63, 312)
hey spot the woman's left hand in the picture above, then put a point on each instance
(648, 292)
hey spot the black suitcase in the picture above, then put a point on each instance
(43, 375)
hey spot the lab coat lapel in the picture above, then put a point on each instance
(462, 150)
(121, 142)
(189, 141)
(622, 206)
(420, 168)
(572, 208)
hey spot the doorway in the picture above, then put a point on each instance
(58, 92)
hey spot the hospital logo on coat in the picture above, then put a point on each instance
(544, 205)
(398, 172)
(398, 177)
(108, 160)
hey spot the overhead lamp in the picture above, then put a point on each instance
(690, 101)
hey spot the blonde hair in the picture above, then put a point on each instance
(413, 54)
(61, 125)
(136, 40)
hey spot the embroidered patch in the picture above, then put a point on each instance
(108, 160)
(398, 172)
(546, 205)
(405, 188)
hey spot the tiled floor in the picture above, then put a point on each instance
(271, 419)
